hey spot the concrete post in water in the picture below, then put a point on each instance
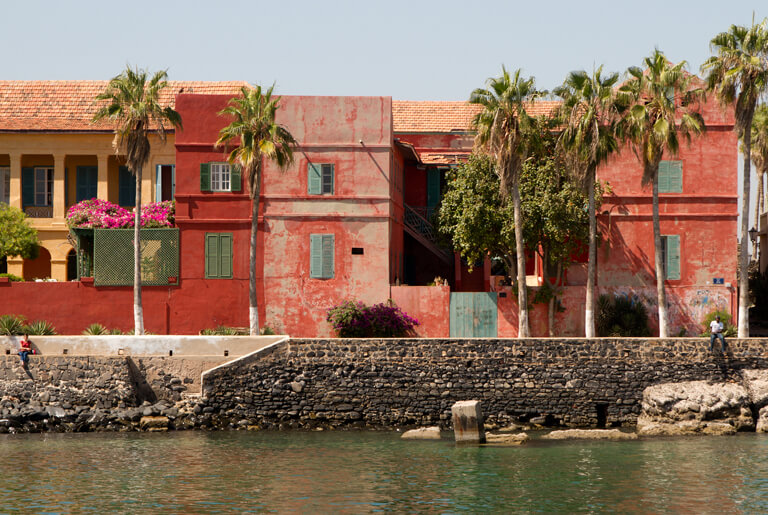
(468, 422)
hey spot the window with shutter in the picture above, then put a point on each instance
(671, 177)
(126, 194)
(218, 255)
(320, 178)
(5, 184)
(672, 257)
(86, 183)
(321, 256)
(28, 187)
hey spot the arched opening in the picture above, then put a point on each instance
(72, 265)
(39, 268)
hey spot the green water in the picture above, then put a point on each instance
(361, 472)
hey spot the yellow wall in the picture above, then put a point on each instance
(66, 152)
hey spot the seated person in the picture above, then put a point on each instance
(25, 349)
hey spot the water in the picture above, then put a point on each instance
(361, 472)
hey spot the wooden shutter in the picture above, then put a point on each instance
(433, 187)
(205, 176)
(328, 248)
(66, 187)
(675, 170)
(673, 257)
(328, 173)
(314, 179)
(663, 177)
(212, 255)
(225, 255)
(80, 186)
(126, 192)
(27, 187)
(86, 183)
(316, 256)
(235, 178)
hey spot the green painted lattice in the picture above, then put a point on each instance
(113, 257)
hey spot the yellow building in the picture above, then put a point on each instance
(52, 157)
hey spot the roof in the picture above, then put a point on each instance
(68, 105)
(429, 116)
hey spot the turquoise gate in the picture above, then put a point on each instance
(473, 315)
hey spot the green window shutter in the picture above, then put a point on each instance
(235, 178)
(314, 179)
(328, 248)
(433, 187)
(212, 255)
(27, 186)
(126, 193)
(93, 182)
(664, 177)
(205, 176)
(328, 179)
(316, 256)
(86, 183)
(673, 258)
(225, 255)
(66, 187)
(675, 176)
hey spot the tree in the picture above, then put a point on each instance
(17, 237)
(662, 102)
(509, 134)
(133, 104)
(738, 74)
(590, 114)
(759, 154)
(258, 136)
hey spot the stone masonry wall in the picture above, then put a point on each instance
(385, 383)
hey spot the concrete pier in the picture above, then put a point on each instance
(468, 422)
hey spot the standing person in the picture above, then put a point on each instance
(25, 350)
(716, 331)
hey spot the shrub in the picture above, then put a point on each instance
(356, 320)
(619, 315)
(725, 317)
(95, 330)
(13, 278)
(12, 325)
(40, 328)
(97, 213)
(267, 331)
(223, 330)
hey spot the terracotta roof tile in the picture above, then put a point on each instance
(429, 116)
(68, 105)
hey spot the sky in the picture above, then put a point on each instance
(410, 50)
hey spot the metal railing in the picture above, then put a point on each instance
(39, 211)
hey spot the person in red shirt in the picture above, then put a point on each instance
(25, 349)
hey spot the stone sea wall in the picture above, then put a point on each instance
(332, 383)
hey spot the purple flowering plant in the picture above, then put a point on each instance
(384, 320)
(102, 214)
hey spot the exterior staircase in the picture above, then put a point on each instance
(417, 225)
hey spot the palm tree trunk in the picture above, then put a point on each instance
(522, 290)
(138, 310)
(758, 205)
(744, 249)
(253, 307)
(589, 301)
(660, 293)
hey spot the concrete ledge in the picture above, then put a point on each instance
(150, 345)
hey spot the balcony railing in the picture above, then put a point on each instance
(39, 211)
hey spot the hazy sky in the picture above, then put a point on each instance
(410, 50)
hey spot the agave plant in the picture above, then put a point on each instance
(95, 330)
(40, 328)
(11, 325)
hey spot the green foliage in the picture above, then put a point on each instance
(13, 278)
(619, 315)
(12, 325)
(728, 328)
(40, 328)
(356, 320)
(96, 330)
(267, 331)
(17, 237)
(223, 330)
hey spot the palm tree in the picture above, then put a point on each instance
(509, 134)
(259, 136)
(760, 160)
(738, 74)
(590, 113)
(133, 104)
(662, 100)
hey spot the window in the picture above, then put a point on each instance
(320, 179)
(670, 257)
(218, 255)
(87, 182)
(219, 177)
(321, 256)
(126, 194)
(165, 182)
(43, 186)
(5, 184)
(671, 177)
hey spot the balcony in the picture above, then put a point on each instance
(39, 211)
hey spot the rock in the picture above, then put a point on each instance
(297, 386)
(539, 421)
(756, 382)
(155, 422)
(506, 438)
(589, 434)
(468, 422)
(422, 433)
(511, 428)
(56, 411)
(762, 420)
(695, 407)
